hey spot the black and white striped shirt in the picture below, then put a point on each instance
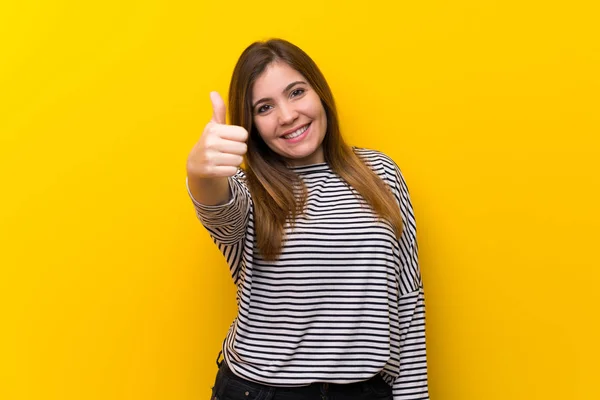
(343, 302)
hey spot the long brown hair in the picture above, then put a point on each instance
(277, 192)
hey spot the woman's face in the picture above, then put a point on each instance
(289, 115)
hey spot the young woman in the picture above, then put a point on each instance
(320, 238)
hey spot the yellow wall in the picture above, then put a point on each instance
(109, 287)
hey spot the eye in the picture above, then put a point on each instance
(297, 92)
(263, 109)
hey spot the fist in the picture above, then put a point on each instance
(221, 148)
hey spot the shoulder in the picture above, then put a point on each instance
(380, 162)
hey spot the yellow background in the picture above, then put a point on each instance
(111, 289)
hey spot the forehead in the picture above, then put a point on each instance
(274, 79)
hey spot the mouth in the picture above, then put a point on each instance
(297, 133)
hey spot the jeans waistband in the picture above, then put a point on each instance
(313, 387)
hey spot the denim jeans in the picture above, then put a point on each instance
(228, 386)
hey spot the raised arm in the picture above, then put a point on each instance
(215, 157)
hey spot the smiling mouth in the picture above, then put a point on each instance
(297, 132)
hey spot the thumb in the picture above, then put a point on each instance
(218, 106)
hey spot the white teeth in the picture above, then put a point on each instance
(296, 133)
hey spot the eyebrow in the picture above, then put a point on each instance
(288, 87)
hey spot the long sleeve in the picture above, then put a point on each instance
(412, 381)
(227, 223)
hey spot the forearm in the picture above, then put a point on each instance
(209, 191)
(412, 381)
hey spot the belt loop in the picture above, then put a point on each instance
(324, 391)
(219, 356)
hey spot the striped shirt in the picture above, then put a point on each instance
(343, 302)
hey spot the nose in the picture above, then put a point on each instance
(287, 114)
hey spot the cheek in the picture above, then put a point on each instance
(264, 127)
(320, 114)
(323, 120)
(318, 111)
